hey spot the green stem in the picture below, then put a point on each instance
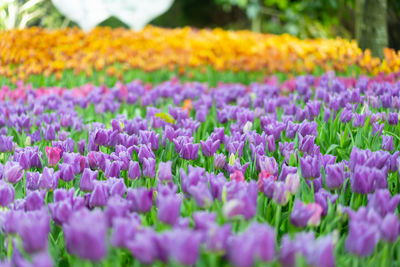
(277, 218)
(385, 255)
(312, 190)
(10, 247)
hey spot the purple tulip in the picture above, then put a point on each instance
(6, 143)
(201, 195)
(203, 219)
(34, 230)
(85, 235)
(66, 172)
(140, 198)
(113, 169)
(359, 120)
(377, 128)
(365, 180)
(363, 230)
(390, 227)
(219, 161)
(387, 142)
(13, 172)
(268, 165)
(362, 238)
(308, 128)
(186, 246)
(285, 171)
(322, 197)
(144, 152)
(334, 176)
(306, 144)
(116, 207)
(271, 143)
(87, 180)
(303, 215)
(393, 161)
(99, 195)
(124, 230)
(97, 160)
(382, 202)
(7, 194)
(60, 211)
(164, 171)
(24, 162)
(241, 199)
(236, 147)
(77, 161)
(217, 183)
(49, 133)
(34, 200)
(32, 180)
(1, 171)
(327, 159)
(290, 248)
(194, 176)
(217, 237)
(379, 159)
(257, 242)
(116, 187)
(189, 151)
(310, 166)
(144, 246)
(209, 147)
(149, 167)
(100, 137)
(346, 115)
(42, 259)
(169, 208)
(81, 146)
(319, 253)
(134, 170)
(150, 137)
(48, 179)
(393, 118)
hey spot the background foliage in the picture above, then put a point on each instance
(305, 19)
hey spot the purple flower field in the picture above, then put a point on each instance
(184, 174)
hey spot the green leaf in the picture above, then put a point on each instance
(331, 148)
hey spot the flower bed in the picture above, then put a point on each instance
(304, 172)
(34, 52)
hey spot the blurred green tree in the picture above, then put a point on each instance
(307, 18)
(302, 18)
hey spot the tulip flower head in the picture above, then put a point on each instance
(53, 155)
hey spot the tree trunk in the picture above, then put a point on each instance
(256, 23)
(371, 25)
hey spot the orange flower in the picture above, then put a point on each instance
(187, 105)
(41, 51)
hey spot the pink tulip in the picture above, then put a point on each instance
(315, 218)
(237, 176)
(53, 155)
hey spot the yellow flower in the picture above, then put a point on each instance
(40, 51)
(165, 117)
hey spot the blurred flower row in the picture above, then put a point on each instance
(36, 51)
